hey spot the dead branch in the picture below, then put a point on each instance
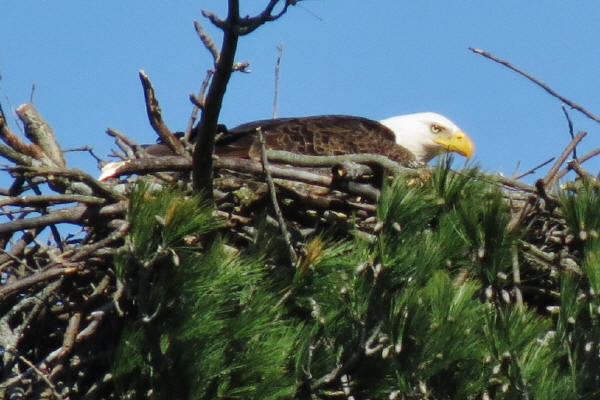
(549, 180)
(581, 160)
(23, 283)
(85, 251)
(581, 172)
(302, 160)
(532, 170)
(537, 82)
(293, 258)
(42, 377)
(207, 41)
(71, 215)
(155, 116)
(51, 199)
(122, 137)
(232, 28)
(68, 339)
(205, 144)
(73, 174)
(570, 124)
(39, 132)
(198, 101)
(249, 24)
(276, 87)
(16, 144)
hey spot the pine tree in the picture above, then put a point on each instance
(424, 311)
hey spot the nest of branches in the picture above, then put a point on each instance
(60, 297)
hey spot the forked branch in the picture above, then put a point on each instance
(233, 27)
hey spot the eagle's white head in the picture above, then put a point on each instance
(428, 134)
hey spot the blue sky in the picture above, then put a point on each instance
(373, 59)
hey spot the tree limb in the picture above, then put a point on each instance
(537, 82)
(549, 179)
(69, 215)
(293, 258)
(39, 132)
(155, 116)
(205, 145)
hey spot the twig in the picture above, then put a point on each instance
(249, 24)
(73, 173)
(155, 116)
(581, 160)
(68, 215)
(583, 174)
(145, 165)
(207, 41)
(85, 251)
(548, 180)
(42, 376)
(276, 88)
(68, 339)
(119, 135)
(537, 82)
(198, 102)
(517, 277)
(303, 160)
(532, 170)
(570, 123)
(31, 280)
(44, 210)
(293, 258)
(51, 199)
(89, 149)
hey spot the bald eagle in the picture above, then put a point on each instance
(404, 138)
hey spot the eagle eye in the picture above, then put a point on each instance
(435, 128)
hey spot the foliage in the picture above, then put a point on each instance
(424, 311)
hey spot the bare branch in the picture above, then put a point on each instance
(517, 276)
(249, 24)
(276, 88)
(583, 174)
(549, 180)
(205, 145)
(570, 123)
(30, 280)
(42, 376)
(51, 199)
(537, 82)
(293, 258)
(241, 66)
(155, 116)
(39, 132)
(198, 101)
(72, 215)
(532, 170)
(232, 28)
(219, 23)
(302, 160)
(72, 173)
(19, 152)
(207, 41)
(581, 160)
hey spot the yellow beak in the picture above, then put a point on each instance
(458, 142)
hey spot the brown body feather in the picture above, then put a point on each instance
(317, 135)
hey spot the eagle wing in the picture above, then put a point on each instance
(317, 135)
